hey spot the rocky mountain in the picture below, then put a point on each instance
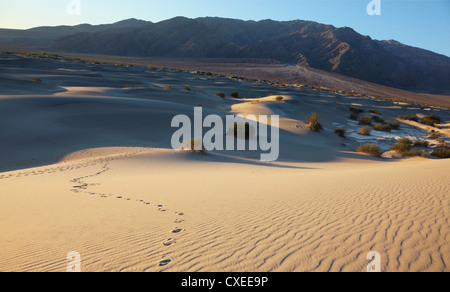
(305, 43)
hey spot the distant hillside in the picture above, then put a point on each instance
(305, 43)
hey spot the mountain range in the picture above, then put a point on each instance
(303, 43)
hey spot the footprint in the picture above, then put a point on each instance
(169, 242)
(178, 221)
(177, 230)
(164, 263)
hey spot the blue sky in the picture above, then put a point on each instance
(420, 23)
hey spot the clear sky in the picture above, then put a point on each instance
(419, 23)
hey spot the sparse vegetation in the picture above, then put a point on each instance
(365, 120)
(356, 110)
(353, 116)
(249, 131)
(374, 111)
(365, 131)
(442, 152)
(340, 132)
(404, 147)
(431, 120)
(192, 145)
(220, 94)
(371, 149)
(394, 125)
(377, 119)
(421, 143)
(279, 98)
(382, 128)
(313, 123)
(409, 118)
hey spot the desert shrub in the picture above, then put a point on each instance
(382, 128)
(313, 123)
(431, 120)
(409, 118)
(353, 116)
(365, 131)
(394, 125)
(356, 110)
(413, 153)
(421, 143)
(235, 94)
(371, 149)
(433, 135)
(340, 132)
(186, 88)
(279, 98)
(377, 119)
(249, 130)
(365, 120)
(402, 146)
(37, 80)
(441, 152)
(192, 145)
(220, 94)
(374, 111)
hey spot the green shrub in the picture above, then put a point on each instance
(414, 153)
(220, 94)
(382, 128)
(371, 149)
(313, 123)
(249, 130)
(192, 145)
(441, 152)
(353, 116)
(409, 118)
(431, 120)
(421, 143)
(365, 131)
(356, 110)
(235, 94)
(374, 111)
(402, 145)
(340, 132)
(394, 125)
(365, 120)
(377, 119)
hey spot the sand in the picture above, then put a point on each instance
(86, 166)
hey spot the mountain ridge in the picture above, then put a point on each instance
(304, 43)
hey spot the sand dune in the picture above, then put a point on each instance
(87, 166)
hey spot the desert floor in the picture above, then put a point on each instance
(86, 165)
